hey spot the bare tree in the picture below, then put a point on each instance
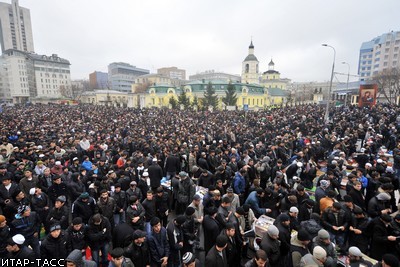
(389, 84)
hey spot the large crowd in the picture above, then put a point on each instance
(104, 186)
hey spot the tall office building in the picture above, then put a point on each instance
(15, 27)
(379, 54)
(30, 76)
(121, 76)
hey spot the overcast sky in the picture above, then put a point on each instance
(199, 35)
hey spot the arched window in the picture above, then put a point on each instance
(247, 68)
(257, 68)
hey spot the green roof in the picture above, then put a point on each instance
(276, 92)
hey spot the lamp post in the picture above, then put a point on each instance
(347, 86)
(326, 118)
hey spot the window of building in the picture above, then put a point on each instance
(247, 68)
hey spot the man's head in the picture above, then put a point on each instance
(221, 242)
(97, 219)
(324, 237)
(230, 230)
(15, 243)
(189, 260)
(273, 232)
(149, 195)
(226, 202)
(155, 224)
(319, 253)
(117, 256)
(55, 230)
(139, 237)
(261, 258)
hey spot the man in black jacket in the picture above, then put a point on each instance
(27, 223)
(17, 250)
(175, 239)
(138, 251)
(99, 237)
(54, 246)
(233, 247)
(155, 174)
(76, 235)
(58, 214)
(271, 245)
(121, 202)
(216, 256)
(84, 207)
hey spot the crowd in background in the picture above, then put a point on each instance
(105, 186)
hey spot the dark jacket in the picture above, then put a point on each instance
(139, 255)
(155, 175)
(375, 207)
(175, 236)
(57, 190)
(272, 248)
(135, 211)
(232, 250)
(96, 236)
(23, 253)
(85, 210)
(214, 259)
(58, 216)
(26, 226)
(211, 231)
(329, 220)
(4, 235)
(380, 244)
(358, 198)
(159, 247)
(186, 191)
(54, 248)
(122, 235)
(76, 239)
(107, 208)
(120, 200)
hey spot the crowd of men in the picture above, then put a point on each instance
(105, 186)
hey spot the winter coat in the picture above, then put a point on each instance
(186, 191)
(26, 226)
(133, 211)
(96, 235)
(107, 208)
(155, 174)
(375, 207)
(254, 203)
(158, 245)
(140, 255)
(85, 210)
(214, 259)
(174, 236)
(272, 248)
(211, 231)
(22, 254)
(76, 239)
(60, 216)
(329, 220)
(380, 244)
(297, 251)
(120, 200)
(4, 235)
(54, 248)
(239, 184)
(76, 257)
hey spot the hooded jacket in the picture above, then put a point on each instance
(76, 257)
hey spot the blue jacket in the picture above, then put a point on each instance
(87, 165)
(239, 184)
(159, 248)
(254, 203)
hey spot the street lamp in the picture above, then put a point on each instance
(326, 118)
(347, 86)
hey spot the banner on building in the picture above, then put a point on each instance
(367, 96)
